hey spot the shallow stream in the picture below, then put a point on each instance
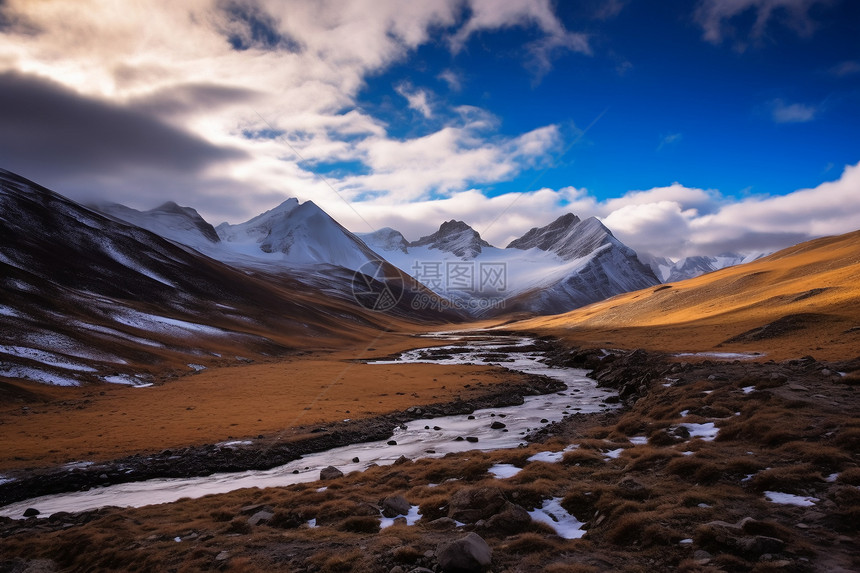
(420, 438)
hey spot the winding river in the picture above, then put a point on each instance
(419, 438)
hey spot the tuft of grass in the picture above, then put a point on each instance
(789, 479)
(583, 457)
(360, 524)
(526, 543)
(851, 476)
(695, 469)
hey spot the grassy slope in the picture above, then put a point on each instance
(816, 280)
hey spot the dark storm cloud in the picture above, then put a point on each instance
(187, 98)
(48, 129)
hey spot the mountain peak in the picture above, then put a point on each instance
(454, 237)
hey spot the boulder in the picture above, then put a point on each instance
(260, 517)
(469, 505)
(330, 472)
(470, 554)
(511, 519)
(395, 505)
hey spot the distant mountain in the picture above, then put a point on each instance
(385, 240)
(800, 301)
(455, 237)
(296, 234)
(87, 298)
(550, 269)
(669, 271)
(180, 224)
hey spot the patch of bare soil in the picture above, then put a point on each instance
(653, 491)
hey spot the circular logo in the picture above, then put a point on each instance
(377, 286)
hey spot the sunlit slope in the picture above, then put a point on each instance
(802, 300)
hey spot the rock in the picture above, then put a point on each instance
(31, 512)
(223, 556)
(395, 505)
(472, 439)
(330, 472)
(497, 426)
(260, 517)
(798, 388)
(471, 554)
(392, 442)
(397, 569)
(442, 524)
(402, 460)
(736, 538)
(355, 460)
(469, 505)
(512, 519)
(251, 509)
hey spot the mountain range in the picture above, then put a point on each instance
(111, 293)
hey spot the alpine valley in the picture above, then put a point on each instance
(285, 394)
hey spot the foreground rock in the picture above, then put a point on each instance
(471, 554)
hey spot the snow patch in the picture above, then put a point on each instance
(46, 358)
(504, 471)
(411, 517)
(789, 499)
(554, 515)
(37, 375)
(639, 440)
(613, 454)
(706, 431)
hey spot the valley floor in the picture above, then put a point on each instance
(712, 466)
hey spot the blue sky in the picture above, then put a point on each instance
(688, 127)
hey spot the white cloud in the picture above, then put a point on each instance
(493, 15)
(453, 79)
(716, 17)
(416, 98)
(669, 140)
(783, 112)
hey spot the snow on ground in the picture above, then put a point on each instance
(554, 515)
(504, 471)
(126, 379)
(121, 258)
(197, 367)
(706, 431)
(789, 499)
(639, 440)
(411, 518)
(37, 375)
(613, 454)
(8, 311)
(551, 457)
(154, 322)
(45, 357)
(117, 334)
(722, 355)
(748, 389)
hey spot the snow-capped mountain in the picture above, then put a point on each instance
(293, 233)
(87, 298)
(455, 237)
(550, 269)
(385, 240)
(181, 224)
(669, 271)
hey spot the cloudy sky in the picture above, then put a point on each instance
(687, 127)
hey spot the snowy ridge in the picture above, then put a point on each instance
(669, 271)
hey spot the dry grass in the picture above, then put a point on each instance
(701, 314)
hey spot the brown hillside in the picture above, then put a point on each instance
(798, 301)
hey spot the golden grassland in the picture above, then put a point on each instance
(638, 507)
(44, 425)
(815, 284)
